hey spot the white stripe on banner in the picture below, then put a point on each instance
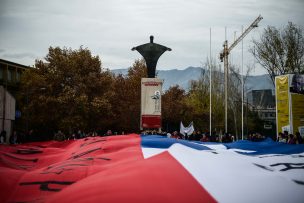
(232, 177)
(149, 152)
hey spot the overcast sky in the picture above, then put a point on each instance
(110, 28)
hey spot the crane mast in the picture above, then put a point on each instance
(224, 58)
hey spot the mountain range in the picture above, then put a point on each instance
(183, 77)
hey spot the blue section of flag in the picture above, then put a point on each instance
(157, 141)
(268, 146)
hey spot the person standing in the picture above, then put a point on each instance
(13, 138)
(3, 136)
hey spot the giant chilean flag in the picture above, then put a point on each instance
(136, 168)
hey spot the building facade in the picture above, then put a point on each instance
(263, 103)
(10, 75)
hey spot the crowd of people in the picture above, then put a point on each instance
(195, 136)
(256, 137)
(13, 139)
(59, 136)
(18, 138)
(32, 136)
(228, 137)
(290, 138)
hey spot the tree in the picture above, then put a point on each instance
(235, 100)
(70, 91)
(127, 98)
(280, 51)
(198, 102)
(217, 95)
(199, 96)
(173, 108)
(198, 99)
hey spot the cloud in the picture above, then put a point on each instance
(20, 55)
(111, 28)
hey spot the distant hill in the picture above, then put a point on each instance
(183, 78)
(259, 82)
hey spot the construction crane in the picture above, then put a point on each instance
(224, 58)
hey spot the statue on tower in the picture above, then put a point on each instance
(151, 53)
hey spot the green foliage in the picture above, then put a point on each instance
(69, 92)
(199, 99)
(126, 100)
(174, 108)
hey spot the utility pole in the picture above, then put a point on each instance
(210, 88)
(242, 80)
(224, 58)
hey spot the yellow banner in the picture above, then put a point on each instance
(281, 83)
(297, 111)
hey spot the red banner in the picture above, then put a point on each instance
(95, 169)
